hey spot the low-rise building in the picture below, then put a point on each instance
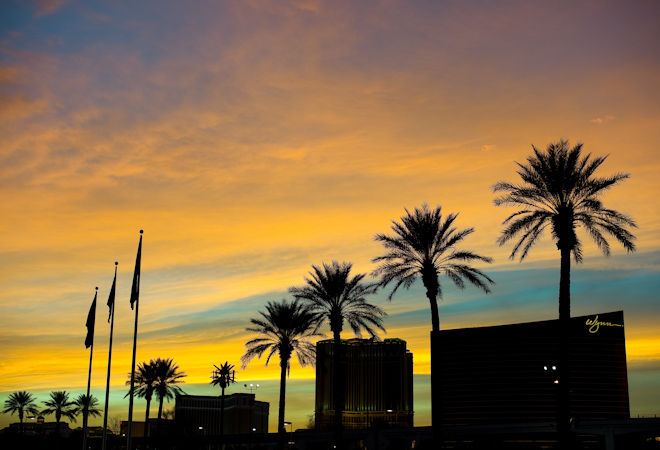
(200, 415)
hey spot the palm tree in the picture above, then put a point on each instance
(82, 403)
(167, 378)
(223, 376)
(337, 297)
(60, 405)
(143, 386)
(286, 329)
(21, 402)
(559, 191)
(424, 246)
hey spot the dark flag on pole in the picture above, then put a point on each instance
(135, 289)
(135, 302)
(91, 320)
(111, 298)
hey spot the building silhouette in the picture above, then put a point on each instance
(41, 427)
(507, 373)
(199, 415)
(378, 380)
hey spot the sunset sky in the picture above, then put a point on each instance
(252, 139)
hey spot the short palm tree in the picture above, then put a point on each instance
(167, 378)
(424, 246)
(21, 402)
(559, 191)
(337, 297)
(83, 402)
(286, 328)
(223, 376)
(143, 386)
(168, 414)
(60, 405)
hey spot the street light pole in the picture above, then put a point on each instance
(291, 435)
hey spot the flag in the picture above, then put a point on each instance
(111, 298)
(91, 320)
(135, 289)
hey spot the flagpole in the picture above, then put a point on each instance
(111, 304)
(135, 298)
(92, 315)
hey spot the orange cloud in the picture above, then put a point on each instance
(46, 7)
(602, 120)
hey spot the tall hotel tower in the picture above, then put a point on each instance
(378, 380)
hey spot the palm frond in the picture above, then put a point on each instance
(285, 328)
(559, 190)
(60, 405)
(424, 239)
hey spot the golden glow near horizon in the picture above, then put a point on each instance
(253, 139)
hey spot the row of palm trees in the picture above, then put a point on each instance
(160, 377)
(332, 295)
(559, 192)
(59, 403)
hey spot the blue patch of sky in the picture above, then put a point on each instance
(518, 296)
(67, 30)
(14, 16)
(534, 294)
(231, 317)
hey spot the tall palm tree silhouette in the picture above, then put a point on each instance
(143, 386)
(223, 376)
(60, 405)
(559, 191)
(286, 328)
(424, 246)
(21, 402)
(83, 403)
(337, 297)
(167, 378)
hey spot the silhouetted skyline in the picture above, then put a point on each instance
(252, 140)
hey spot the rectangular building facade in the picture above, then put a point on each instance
(505, 374)
(378, 380)
(200, 415)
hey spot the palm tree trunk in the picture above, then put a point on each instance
(58, 416)
(435, 317)
(338, 390)
(146, 418)
(222, 419)
(430, 280)
(565, 285)
(160, 412)
(563, 414)
(436, 389)
(281, 431)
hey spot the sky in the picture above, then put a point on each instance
(252, 139)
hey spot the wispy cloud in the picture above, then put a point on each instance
(46, 7)
(602, 120)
